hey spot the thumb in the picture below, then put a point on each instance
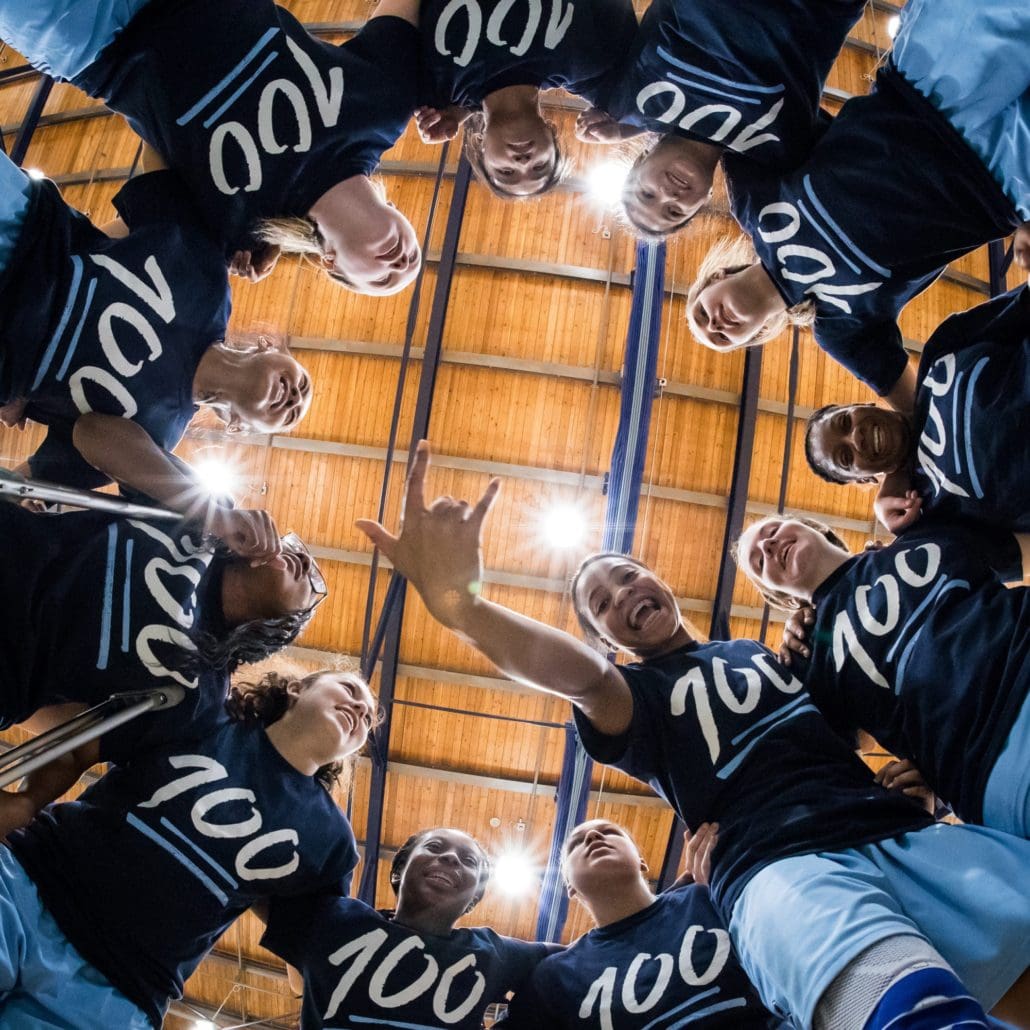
(380, 536)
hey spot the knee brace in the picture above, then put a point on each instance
(928, 999)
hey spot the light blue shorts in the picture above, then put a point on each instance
(44, 981)
(1007, 794)
(801, 920)
(64, 37)
(15, 189)
(971, 60)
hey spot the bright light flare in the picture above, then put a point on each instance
(217, 476)
(605, 181)
(515, 874)
(893, 24)
(204, 1024)
(35, 173)
(564, 526)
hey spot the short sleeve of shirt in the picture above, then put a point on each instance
(290, 921)
(154, 198)
(872, 352)
(612, 749)
(1004, 320)
(530, 1008)
(999, 550)
(194, 716)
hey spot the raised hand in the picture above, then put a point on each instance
(1021, 248)
(795, 632)
(255, 264)
(902, 775)
(595, 126)
(438, 547)
(898, 513)
(697, 851)
(437, 125)
(250, 533)
(12, 414)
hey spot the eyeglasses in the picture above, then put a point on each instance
(292, 542)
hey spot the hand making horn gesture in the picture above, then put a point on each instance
(438, 547)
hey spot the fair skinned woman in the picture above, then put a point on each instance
(112, 900)
(337, 948)
(725, 734)
(921, 644)
(485, 66)
(102, 604)
(834, 245)
(128, 320)
(290, 162)
(647, 959)
(705, 79)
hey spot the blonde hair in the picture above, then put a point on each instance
(732, 254)
(298, 234)
(782, 599)
(473, 140)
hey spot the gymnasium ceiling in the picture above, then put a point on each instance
(528, 389)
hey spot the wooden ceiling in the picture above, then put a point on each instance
(528, 389)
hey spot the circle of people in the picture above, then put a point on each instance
(823, 896)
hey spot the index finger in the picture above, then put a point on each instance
(485, 502)
(415, 496)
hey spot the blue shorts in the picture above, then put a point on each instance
(15, 189)
(800, 921)
(971, 60)
(1006, 803)
(44, 981)
(64, 37)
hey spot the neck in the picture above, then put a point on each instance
(293, 744)
(511, 101)
(767, 300)
(680, 638)
(705, 155)
(619, 901)
(824, 566)
(358, 189)
(216, 368)
(425, 918)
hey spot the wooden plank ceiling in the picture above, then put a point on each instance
(528, 390)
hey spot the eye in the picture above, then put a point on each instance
(433, 846)
(844, 458)
(506, 173)
(629, 574)
(540, 166)
(470, 860)
(601, 606)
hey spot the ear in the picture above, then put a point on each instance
(293, 688)
(328, 260)
(233, 425)
(643, 865)
(570, 891)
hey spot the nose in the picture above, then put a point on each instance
(594, 833)
(766, 544)
(448, 856)
(621, 595)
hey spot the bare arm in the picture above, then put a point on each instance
(116, 229)
(123, 450)
(1023, 539)
(19, 807)
(438, 550)
(405, 9)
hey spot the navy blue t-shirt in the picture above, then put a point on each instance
(923, 646)
(972, 415)
(746, 75)
(258, 117)
(470, 50)
(198, 818)
(117, 326)
(361, 968)
(98, 605)
(869, 221)
(725, 733)
(673, 958)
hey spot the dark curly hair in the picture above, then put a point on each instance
(400, 863)
(474, 133)
(267, 701)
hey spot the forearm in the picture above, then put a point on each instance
(546, 659)
(124, 451)
(1023, 539)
